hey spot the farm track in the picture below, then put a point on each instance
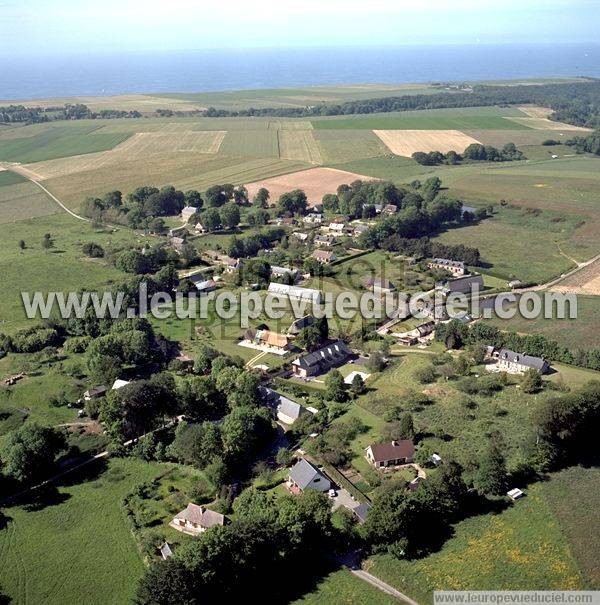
(25, 173)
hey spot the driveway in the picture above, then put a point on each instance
(344, 498)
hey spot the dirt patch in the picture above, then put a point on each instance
(407, 142)
(534, 111)
(315, 182)
(584, 281)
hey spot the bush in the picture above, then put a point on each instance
(425, 375)
(77, 344)
(93, 250)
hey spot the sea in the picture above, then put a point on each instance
(60, 75)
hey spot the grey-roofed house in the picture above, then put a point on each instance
(361, 512)
(456, 267)
(300, 324)
(304, 475)
(464, 285)
(287, 410)
(321, 360)
(518, 363)
(203, 285)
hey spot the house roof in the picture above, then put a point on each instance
(299, 324)
(294, 292)
(289, 408)
(325, 356)
(199, 515)
(97, 390)
(537, 363)
(202, 283)
(165, 551)
(383, 452)
(189, 210)
(380, 283)
(464, 284)
(283, 270)
(303, 473)
(322, 255)
(361, 511)
(119, 383)
(273, 339)
(446, 262)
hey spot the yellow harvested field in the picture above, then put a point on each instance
(534, 111)
(299, 145)
(546, 124)
(584, 281)
(139, 146)
(315, 182)
(298, 125)
(407, 142)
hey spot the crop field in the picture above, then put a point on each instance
(184, 170)
(521, 548)
(295, 97)
(315, 182)
(139, 146)
(347, 145)
(407, 142)
(299, 145)
(252, 143)
(89, 554)
(585, 281)
(20, 199)
(57, 142)
(401, 121)
(580, 333)
(545, 124)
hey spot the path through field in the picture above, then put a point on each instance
(24, 172)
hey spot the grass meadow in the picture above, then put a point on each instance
(74, 545)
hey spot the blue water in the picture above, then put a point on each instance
(212, 70)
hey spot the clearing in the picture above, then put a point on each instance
(315, 182)
(407, 142)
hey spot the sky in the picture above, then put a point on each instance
(87, 26)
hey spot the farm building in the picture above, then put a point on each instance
(283, 271)
(269, 340)
(325, 240)
(516, 363)
(325, 257)
(391, 454)
(456, 267)
(296, 293)
(321, 360)
(464, 285)
(188, 212)
(379, 285)
(303, 475)
(177, 243)
(203, 285)
(300, 324)
(389, 209)
(196, 519)
(94, 393)
(313, 218)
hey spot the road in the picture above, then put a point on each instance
(24, 173)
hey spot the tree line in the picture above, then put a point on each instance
(76, 111)
(476, 152)
(573, 102)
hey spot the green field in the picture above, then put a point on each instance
(20, 199)
(75, 545)
(525, 547)
(400, 121)
(58, 142)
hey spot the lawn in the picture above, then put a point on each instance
(342, 588)
(521, 548)
(75, 546)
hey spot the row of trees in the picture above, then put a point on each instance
(457, 335)
(587, 144)
(573, 102)
(474, 152)
(76, 111)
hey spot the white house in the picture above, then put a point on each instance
(391, 454)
